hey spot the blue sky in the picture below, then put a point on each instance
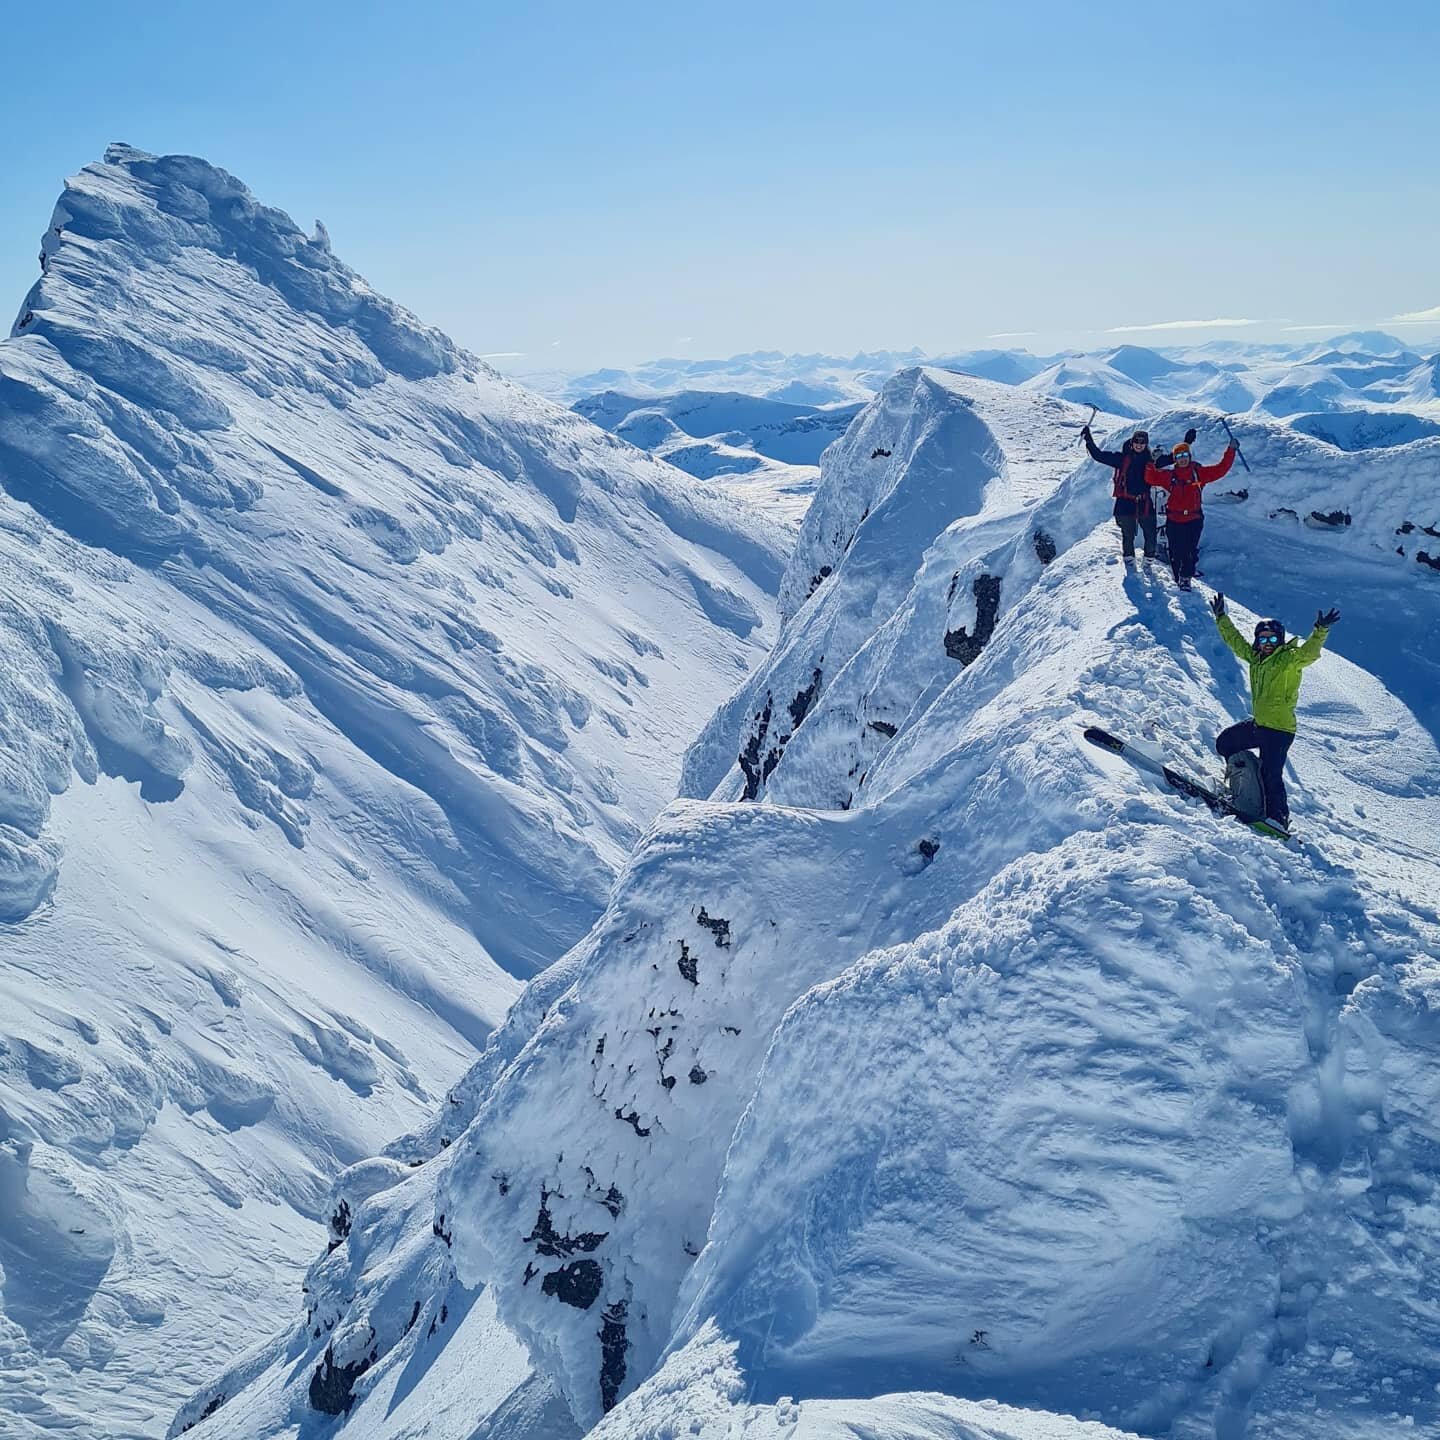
(588, 182)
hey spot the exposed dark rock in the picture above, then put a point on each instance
(755, 768)
(667, 1082)
(879, 454)
(720, 929)
(929, 848)
(960, 644)
(1331, 517)
(633, 1120)
(438, 1227)
(1044, 547)
(332, 1386)
(688, 964)
(883, 727)
(502, 1182)
(340, 1223)
(577, 1283)
(613, 1346)
(755, 760)
(216, 1401)
(612, 1199)
(414, 1316)
(804, 702)
(818, 579)
(1433, 561)
(1409, 527)
(731, 1029)
(548, 1241)
(530, 1273)
(697, 1075)
(1242, 494)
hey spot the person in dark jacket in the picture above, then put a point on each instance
(1133, 506)
(1184, 515)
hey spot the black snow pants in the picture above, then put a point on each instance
(1128, 524)
(1184, 540)
(1274, 746)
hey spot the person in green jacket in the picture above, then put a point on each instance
(1275, 665)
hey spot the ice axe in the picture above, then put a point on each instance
(1235, 443)
(1094, 410)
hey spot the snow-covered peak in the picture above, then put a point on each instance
(1090, 380)
(338, 676)
(933, 449)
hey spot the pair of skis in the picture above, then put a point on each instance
(1192, 789)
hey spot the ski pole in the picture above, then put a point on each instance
(1235, 443)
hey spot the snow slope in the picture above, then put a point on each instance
(339, 677)
(1022, 1079)
(1089, 380)
(761, 450)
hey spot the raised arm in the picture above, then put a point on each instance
(1234, 639)
(1218, 471)
(1112, 458)
(1159, 479)
(1309, 652)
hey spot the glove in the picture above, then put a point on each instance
(1217, 604)
(1085, 432)
(1190, 436)
(1324, 619)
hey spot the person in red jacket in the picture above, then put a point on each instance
(1185, 518)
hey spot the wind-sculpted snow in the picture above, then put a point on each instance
(931, 449)
(884, 596)
(762, 450)
(338, 676)
(963, 1067)
(700, 1390)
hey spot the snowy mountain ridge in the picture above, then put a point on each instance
(762, 450)
(969, 1067)
(370, 667)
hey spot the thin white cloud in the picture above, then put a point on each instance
(1416, 317)
(1181, 325)
(502, 354)
(1011, 334)
(554, 344)
(1334, 329)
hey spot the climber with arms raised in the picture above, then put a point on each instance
(1184, 516)
(1275, 672)
(1133, 506)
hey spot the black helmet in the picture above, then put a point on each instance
(1269, 627)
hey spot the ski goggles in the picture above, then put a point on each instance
(1141, 439)
(1267, 639)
